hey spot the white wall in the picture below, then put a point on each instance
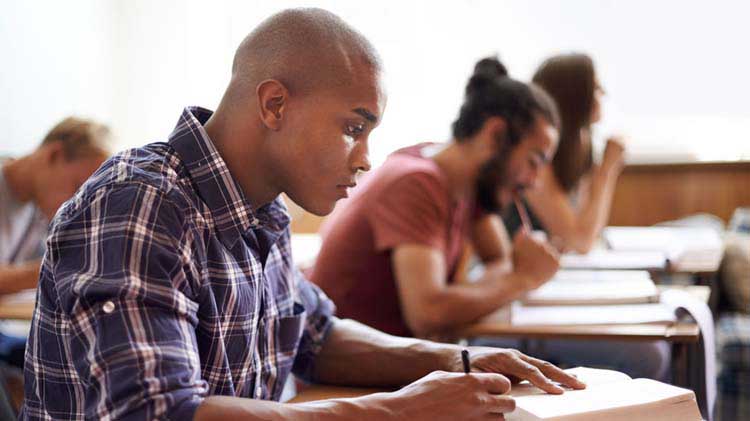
(674, 70)
(55, 60)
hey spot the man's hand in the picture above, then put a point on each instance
(535, 259)
(517, 367)
(452, 396)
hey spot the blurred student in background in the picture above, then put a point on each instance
(572, 200)
(390, 253)
(32, 187)
(571, 203)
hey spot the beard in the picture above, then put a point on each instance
(494, 176)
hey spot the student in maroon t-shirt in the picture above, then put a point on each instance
(390, 252)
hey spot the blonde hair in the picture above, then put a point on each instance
(80, 138)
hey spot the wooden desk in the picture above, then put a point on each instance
(676, 332)
(17, 306)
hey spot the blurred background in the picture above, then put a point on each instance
(675, 72)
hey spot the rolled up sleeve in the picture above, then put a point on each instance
(119, 266)
(319, 309)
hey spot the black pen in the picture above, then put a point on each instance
(465, 359)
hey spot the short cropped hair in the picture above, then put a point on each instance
(80, 137)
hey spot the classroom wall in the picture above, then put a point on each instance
(56, 59)
(649, 194)
(674, 71)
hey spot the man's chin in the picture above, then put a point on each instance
(321, 209)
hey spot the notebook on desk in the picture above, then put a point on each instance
(595, 287)
(609, 395)
(521, 315)
(615, 260)
(691, 249)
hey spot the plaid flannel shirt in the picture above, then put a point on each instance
(733, 346)
(161, 286)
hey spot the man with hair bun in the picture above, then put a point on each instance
(169, 290)
(390, 254)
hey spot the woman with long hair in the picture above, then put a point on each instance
(572, 198)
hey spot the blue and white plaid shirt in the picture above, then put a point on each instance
(161, 286)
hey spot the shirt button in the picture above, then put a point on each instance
(258, 391)
(109, 307)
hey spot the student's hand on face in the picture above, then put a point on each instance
(453, 396)
(518, 367)
(536, 259)
(614, 154)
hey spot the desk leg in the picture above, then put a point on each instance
(680, 369)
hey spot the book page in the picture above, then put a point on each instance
(590, 376)
(611, 400)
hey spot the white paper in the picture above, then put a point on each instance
(571, 287)
(305, 248)
(590, 315)
(608, 259)
(688, 249)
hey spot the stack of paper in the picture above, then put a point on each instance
(691, 249)
(586, 287)
(590, 314)
(611, 259)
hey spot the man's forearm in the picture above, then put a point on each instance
(460, 304)
(14, 278)
(357, 355)
(222, 408)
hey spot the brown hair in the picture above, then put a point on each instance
(571, 81)
(80, 137)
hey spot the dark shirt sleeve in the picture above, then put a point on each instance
(119, 269)
(319, 311)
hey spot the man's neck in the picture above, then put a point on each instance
(255, 178)
(18, 174)
(459, 171)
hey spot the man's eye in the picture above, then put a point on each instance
(354, 130)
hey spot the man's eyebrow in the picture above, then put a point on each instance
(366, 114)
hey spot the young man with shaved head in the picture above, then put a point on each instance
(169, 291)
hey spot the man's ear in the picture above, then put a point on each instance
(52, 152)
(272, 98)
(494, 133)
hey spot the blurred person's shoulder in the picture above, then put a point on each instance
(410, 160)
(155, 167)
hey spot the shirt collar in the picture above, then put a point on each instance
(231, 212)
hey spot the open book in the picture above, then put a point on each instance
(609, 395)
(576, 287)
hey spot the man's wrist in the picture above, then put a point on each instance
(377, 406)
(448, 357)
(521, 282)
